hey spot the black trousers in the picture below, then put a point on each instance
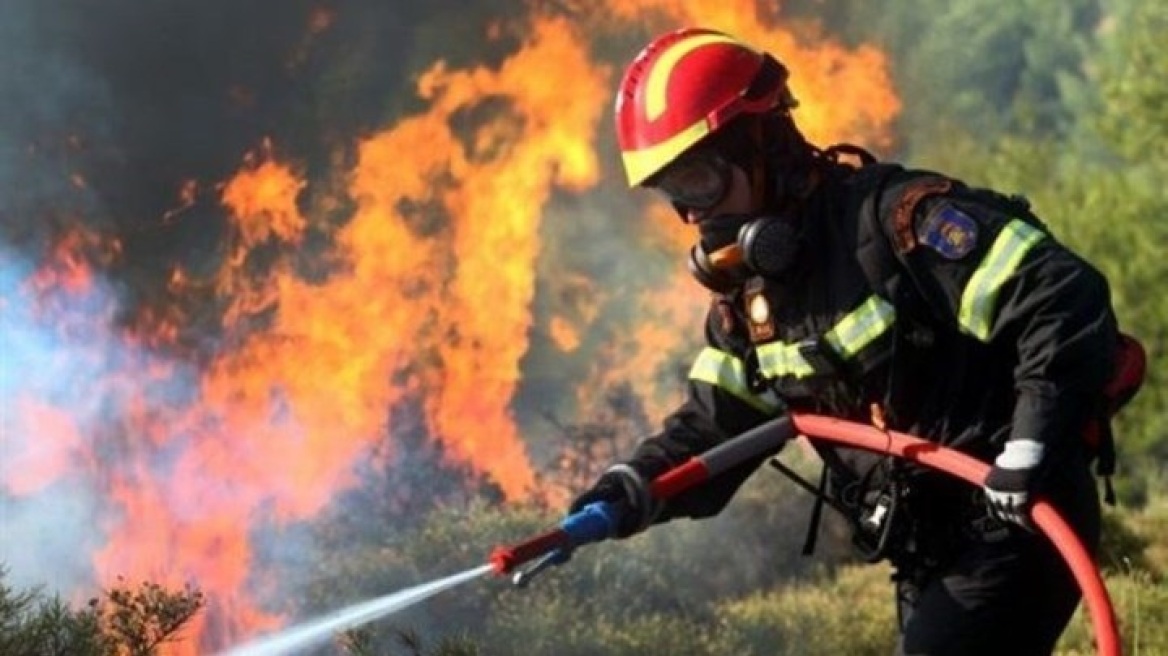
(1002, 593)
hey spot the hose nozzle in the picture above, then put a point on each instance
(558, 557)
(592, 523)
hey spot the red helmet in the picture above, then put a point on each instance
(686, 85)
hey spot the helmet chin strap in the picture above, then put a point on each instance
(759, 180)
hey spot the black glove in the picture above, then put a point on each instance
(1009, 485)
(628, 493)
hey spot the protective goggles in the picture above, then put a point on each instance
(698, 181)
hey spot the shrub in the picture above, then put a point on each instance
(126, 621)
(848, 612)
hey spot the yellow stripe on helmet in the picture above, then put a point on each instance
(643, 163)
(657, 80)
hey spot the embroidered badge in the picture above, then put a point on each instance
(907, 205)
(949, 231)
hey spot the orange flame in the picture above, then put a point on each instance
(408, 307)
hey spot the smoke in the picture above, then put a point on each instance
(50, 520)
(41, 534)
(73, 389)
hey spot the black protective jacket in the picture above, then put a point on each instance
(979, 327)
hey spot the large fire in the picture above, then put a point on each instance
(429, 290)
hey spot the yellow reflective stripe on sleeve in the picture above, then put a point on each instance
(977, 301)
(727, 372)
(861, 327)
(781, 359)
(850, 335)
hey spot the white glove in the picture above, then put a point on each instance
(1007, 488)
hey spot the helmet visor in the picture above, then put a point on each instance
(698, 181)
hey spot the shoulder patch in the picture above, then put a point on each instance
(906, 205)
(949, 231)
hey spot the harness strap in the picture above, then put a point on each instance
(821, 497)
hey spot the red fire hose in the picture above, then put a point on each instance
(593, 524)
(1043, 514)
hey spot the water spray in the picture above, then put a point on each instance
(592, 524)
(316, 631)
(598, 521)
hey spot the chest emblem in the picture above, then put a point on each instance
(758, 310)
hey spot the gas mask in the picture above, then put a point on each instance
(735, 247)
(732, 247)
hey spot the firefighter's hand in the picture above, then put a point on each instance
(628, 492)
(1008, 486)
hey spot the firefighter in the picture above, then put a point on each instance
(871, 292)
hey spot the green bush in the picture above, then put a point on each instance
(849, 612)
(1141, 609)
(34, 624)
(126, 621)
